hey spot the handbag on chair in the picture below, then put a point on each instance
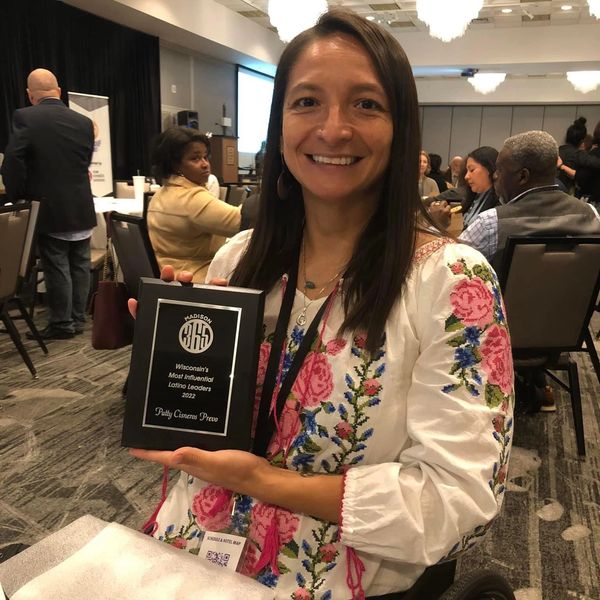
(112, 324)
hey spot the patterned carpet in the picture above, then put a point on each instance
(60, 458)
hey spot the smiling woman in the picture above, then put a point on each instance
(384, 389)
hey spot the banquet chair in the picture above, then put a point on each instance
(550, 286)
(15, 235)
(236, 194)
(26, 269)
(134, 251)
(124, 189)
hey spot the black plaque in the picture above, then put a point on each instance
(193, 367)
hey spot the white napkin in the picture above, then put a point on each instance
(120, 564)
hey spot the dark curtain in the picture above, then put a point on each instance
(88, 55)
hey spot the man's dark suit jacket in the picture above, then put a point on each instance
(47, 159)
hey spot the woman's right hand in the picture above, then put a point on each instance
(167, 273)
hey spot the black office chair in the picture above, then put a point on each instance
(550, 286)
(134, 251)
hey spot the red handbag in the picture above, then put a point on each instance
(112, 324)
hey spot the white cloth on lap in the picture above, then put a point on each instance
(121, 563)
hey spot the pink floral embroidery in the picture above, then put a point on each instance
(372, 387)
(334, 347)
(263, 359)
(302, 594)
(314, 383)
(328, 552)
(360, 341)
(262, 515)
(179, 542)
(472, 302)
(457, 268)
(343, 430)
(497, 359)
(289, 426)
(204, 504)
(498, 423)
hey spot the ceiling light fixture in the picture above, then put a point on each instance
(485, 83)
(584, 81)
(507, 11)
(292, 18)
(448, 20)
(594, 6)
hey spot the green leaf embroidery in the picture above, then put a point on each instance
(493, 395)
(310, 447)
(483, 272)
(457, 341)
(287, 552)
(453, 323)
(282, 568)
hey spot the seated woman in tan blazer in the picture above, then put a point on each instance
(186, 223)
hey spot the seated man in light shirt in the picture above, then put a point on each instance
(532, 203)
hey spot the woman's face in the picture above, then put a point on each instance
(337, 126)
(423, 165)
(194, 163)
(477, 177)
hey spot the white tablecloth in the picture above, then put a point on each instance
(106, 204)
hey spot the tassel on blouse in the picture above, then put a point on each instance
(150, 526)
(270, 549)
(222, 502)
(354, 573)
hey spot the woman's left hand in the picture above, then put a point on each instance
(235, 470)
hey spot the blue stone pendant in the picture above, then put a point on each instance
(309, 285)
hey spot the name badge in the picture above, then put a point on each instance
(223, 549)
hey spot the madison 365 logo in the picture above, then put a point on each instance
(196, 334)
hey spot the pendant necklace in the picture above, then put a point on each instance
(311, 285)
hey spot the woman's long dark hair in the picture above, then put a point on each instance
(382, 257)
(486, 156)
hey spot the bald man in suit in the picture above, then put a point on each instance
(47, 159)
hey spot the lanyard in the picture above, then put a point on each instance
(266, 418)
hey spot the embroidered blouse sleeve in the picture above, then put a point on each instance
(448, 484)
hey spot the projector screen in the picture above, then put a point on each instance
(254, 92)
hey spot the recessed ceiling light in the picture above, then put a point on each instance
(566, 7)
(370, 18)
(506, 11)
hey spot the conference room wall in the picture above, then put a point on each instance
(452, 130)
(202, 84)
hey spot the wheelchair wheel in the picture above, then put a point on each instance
(479, 585)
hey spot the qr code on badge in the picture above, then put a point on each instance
(218, 558)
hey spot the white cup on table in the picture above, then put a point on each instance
(139, 186)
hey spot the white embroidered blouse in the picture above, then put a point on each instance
(422, 429)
